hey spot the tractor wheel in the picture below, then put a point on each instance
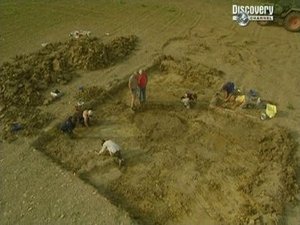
(292, 22)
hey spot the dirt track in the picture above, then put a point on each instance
(183, 162)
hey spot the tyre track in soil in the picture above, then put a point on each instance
(143, 18)
(185, 36)
(64, 11)
(200, 18)
(153, 27)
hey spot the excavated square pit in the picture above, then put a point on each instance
(181, 161)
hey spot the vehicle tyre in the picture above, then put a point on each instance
(292, 22)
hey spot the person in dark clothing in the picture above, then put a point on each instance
(77, 116)
(68, 126)
(228, 89)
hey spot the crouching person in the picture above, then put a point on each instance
(228, 89)
(189, 99)
(68, 126)
(113, 149)
(84, 117)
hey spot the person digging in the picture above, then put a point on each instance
(113, 149)
(189, 99)
(83, 117)
(68, 126)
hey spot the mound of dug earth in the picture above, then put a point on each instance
(24, 79)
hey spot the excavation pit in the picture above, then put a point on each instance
(237, 169)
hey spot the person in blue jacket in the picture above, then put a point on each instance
(68, 126)
(228, 90)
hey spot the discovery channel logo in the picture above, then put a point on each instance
(243, 14)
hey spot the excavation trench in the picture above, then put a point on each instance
(239, 170)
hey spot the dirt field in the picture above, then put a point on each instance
(197, 166)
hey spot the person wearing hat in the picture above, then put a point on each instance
(86, 115)
(113, 149)
(142, 83)
(133, 87)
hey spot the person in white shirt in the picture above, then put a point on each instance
(113, 149)
(189, 99)
(87, 115)
(133, 86)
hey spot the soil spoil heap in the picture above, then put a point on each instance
(24, 79)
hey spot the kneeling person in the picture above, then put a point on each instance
(68, 126)
(84, 116)
(189, 99)
(228, 89)
(113, 148)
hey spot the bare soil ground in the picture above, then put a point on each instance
(178, 158)
(182, 167)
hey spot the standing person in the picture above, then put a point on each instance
(113, 149)
(133, 87)
(142, 83)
